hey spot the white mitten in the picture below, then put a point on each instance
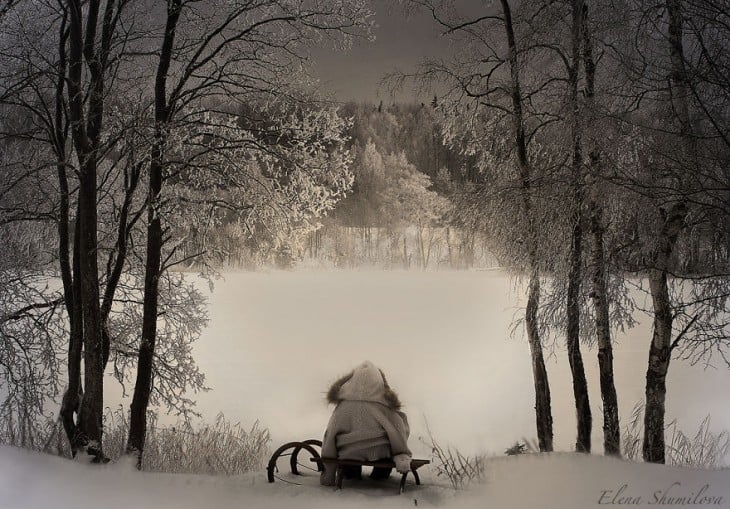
(402, 463)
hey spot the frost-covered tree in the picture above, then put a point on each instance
(234, 133)
(278, 159)
(44, 77)
(391, 193)
(408, 200)
(611, 112)
(489, 114)
(37, 146)
(674, 163)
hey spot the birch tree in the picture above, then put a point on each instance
(596, 226)
(671, 91)
(485, 95)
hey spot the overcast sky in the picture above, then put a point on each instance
(401, 42)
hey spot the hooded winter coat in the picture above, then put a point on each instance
(367, 423)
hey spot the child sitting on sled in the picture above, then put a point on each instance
(366, 425)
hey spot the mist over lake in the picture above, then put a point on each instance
(277, 340)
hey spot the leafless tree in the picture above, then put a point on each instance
(483, 95)
(246, 53)
(674, 166)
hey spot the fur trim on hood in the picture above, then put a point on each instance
(364, 383)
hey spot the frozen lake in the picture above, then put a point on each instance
(277, 340)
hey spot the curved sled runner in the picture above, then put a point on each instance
(296, 448)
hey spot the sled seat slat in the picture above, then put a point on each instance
(340, 462)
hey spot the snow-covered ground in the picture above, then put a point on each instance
(276, 340)
(566, 481)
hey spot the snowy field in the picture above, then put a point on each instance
(561, 481)
(277, 340)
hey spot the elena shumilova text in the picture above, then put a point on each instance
(675, 494)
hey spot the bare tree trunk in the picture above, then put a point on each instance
(543, 412)
(405, 252)
(431, 234)
(71, 290)
(90, 415)
(575, 359)
(673, 222)
(661, 347)
(449, 247)
(599, 293)
(425, 253)
(86, 131)
(71, 402)
(419, 245)
(118, 257)
(143, 384)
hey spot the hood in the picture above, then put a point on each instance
(364, 383)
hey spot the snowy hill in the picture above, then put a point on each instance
(567, 481)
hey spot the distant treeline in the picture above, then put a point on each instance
(411, 191)
(398, 212)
